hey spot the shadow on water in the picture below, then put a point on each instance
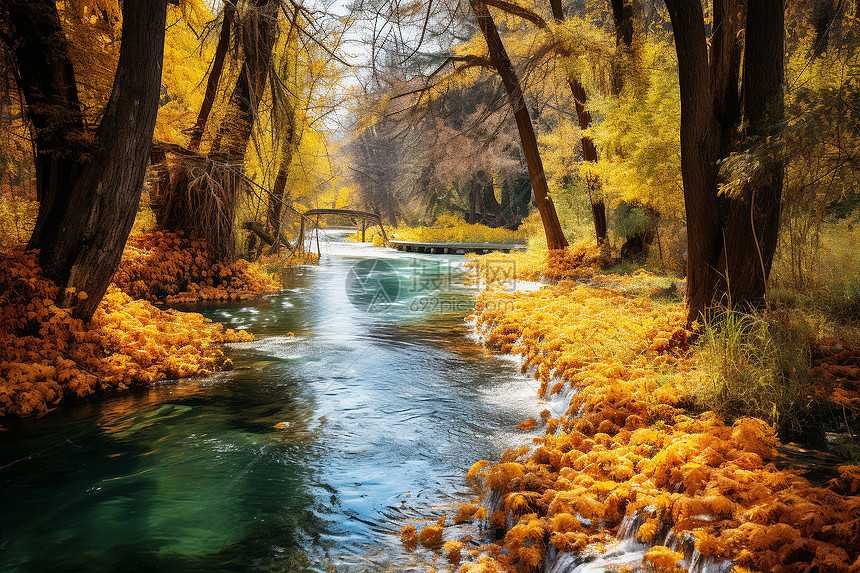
(384, 411)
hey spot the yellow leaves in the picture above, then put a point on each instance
(663, 559)
(453, 549)
(500, 475)
(623, 445)
(126, 343)
(848, 480)
(477, 471)
(525, 542)
(755, 436)
(529, 424)
(649, 529)
(466, 513)
(166, 266)
(431, 535)
(449, 229)
(409, 538)
(565, 523)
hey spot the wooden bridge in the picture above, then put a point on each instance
(354, 214)
(454, 248)
(363, 219)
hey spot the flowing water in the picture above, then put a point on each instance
(386, 404)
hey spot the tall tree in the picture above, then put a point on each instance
(589, 151)
(498, 56)
(200, 194)
(731, 238)
(89, 184)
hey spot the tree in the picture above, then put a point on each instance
(731, 237)
(88, 183)
(200, 194)
(554, 236)
(589, 151)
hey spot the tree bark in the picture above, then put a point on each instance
(258, 40)
(204, 192)
(552, 227)
(753, 224)
(44, 73)
(700, 144)
(731, 240)
(214, 75)
(83, 247)
(622, 16)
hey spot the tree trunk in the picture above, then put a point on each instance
(214, 75)
(258, 39)
(700, 144)
(552, 227)
(491, 210)
(589, 152)
(204, 192)
(82, 249)
(622, 15)
(44, 73)
(751, 232)
(472, 215)
(730, 242)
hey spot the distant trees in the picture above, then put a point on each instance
(88, 181)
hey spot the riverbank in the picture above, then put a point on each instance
(47, 356)
(629, 471)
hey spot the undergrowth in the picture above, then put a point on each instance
(47, 356)
(164, 266)
(624, 445)
(756, 364)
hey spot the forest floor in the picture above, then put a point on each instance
(630, 447)
(48, 356)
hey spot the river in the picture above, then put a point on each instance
(385, 399)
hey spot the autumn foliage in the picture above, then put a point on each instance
(47, 356)
(163, 266)
(621, 452)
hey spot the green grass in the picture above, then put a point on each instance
(756, 364)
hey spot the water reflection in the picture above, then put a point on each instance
(383, 414)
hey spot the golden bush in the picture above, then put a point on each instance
(163, 266)
(47, 355)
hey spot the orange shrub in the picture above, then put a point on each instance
(626, 447)
(164, 266)
(47, 356)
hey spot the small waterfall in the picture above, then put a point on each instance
(628, 551)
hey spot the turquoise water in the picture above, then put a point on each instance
(387, 406)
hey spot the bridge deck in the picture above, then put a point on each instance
(454, 248)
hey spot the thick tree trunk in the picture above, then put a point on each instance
(82, 248)
(753, 224)
(552, 227)
(43, 69)
(700, 144)
(730, 242)
(725, 71)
